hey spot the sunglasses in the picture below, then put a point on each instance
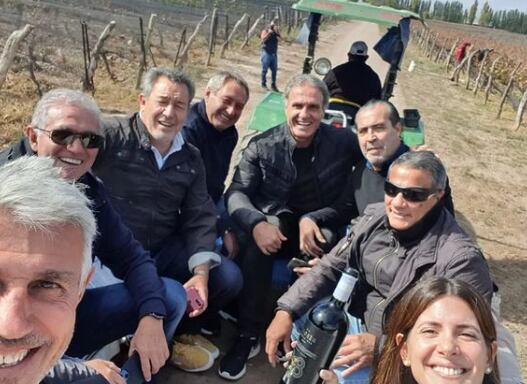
(65, 136)
(413, 194)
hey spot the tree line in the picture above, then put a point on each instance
(455, 12)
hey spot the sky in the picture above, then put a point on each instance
(499, 4)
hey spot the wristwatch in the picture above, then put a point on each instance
(156, 316)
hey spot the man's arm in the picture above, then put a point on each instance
(117, 248)
(315, 284)
(245, 183)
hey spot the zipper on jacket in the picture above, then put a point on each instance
(372, 313)
(381, 259)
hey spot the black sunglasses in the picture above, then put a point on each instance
(65, 136)
(413, 194)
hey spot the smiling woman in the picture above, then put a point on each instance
(441, 331)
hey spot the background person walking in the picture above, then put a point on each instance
(269, 57)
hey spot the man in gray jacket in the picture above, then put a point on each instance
(409, 237)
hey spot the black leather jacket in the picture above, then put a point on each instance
(266, 173)
(156, 203)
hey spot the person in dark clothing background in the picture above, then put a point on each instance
(354, 83)
(269, 56)
(210, 127)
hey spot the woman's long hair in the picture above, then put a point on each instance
(390, 369)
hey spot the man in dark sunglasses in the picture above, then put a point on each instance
(66, 126)
(411, 236)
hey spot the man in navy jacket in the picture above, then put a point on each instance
(210, 127)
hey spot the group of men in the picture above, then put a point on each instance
(155, 182)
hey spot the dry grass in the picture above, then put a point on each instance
(486, 165)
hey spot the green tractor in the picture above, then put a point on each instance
(270, 110)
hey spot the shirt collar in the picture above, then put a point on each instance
(176, 146)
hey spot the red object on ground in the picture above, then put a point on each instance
(461, 51)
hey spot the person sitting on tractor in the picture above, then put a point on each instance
(354, 83)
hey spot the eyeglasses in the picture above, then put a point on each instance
(65, 136)
(413, 194)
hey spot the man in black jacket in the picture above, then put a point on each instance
(156, 181)
(283, 198)
(210, 127)
(353, 83)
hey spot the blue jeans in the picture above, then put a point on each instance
(355, 326)
(225, 280)
(106, 314)
(269, 61)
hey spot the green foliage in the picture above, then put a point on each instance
(485, 17)
(448, 11)
(472, 13)
(511, 20)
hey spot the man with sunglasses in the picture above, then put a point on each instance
(66, 126)
(409, 237)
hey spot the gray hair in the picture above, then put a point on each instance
(393, 114)
(425, 161)
(304, 79)
(56, 201)
(61, 97)
(218, 80)
(174, 75)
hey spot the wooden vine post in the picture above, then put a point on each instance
(480, 73)
(212, 35)
(469, 66)
(489, 80)
(450, 54)
(251, 31)
(96, 53)
(506, 91)
(234, 29)
(184, 53)
(521, 109)
(9, 52)
(146, 49)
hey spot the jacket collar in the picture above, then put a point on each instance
(142, 132)
(403, 148)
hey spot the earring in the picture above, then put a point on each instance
(406, 363)
(488, 370)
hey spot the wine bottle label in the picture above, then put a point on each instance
(310, 355)
(344, 287)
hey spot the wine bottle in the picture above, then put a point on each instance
(322, 334)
